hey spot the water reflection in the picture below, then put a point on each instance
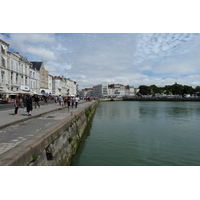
(142, 133)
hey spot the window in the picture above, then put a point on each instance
(17, 67)
(11, 77)
(16, 78)
(26, 82)
(22, 79)
(2, 49)
(3, 61)
(2, 76)
(11, 64)
(31, 76)
(34, 85)
(21, 69)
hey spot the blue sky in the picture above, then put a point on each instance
(125, 58)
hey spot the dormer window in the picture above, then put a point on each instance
(3, 49)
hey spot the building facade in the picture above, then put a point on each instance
(63, 86)
(100, 90)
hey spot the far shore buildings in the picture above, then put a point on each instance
(109, 90)
(17, 74)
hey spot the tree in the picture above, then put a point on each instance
(154, 89)
(177, 89)
(144, 90)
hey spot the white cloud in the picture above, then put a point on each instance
(43, 53)
(132, 59)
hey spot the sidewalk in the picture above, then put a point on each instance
(8, 118)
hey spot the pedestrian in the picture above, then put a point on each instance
(68, 103)
(16, 103)
(36, 100)
(72, 100)
(65, 101)
(76, 101)
(24, 101)
(55, 99)
(29, 105)
(45, 99)
(59, 99)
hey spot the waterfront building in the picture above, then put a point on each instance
(50, 84)
(100, 90)
(129, 90)
(116, 90)
(120, 90)
(3, 66)
(43, 79)
(87, 92)
(17, 73)
(63, 86)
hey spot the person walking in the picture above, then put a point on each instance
(68, 103)
(16, 104)
(59, 99)
(76, 101)
(72, 100)
(45, 99)
(36, 100)
(29, 105)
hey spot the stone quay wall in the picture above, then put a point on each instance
(59, 145)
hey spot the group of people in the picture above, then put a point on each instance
(29, 99)
(28, 102)
(67, 101)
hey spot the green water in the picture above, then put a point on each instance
(135, 133)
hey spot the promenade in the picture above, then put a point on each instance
(16, 132)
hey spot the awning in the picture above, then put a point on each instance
(15, 86)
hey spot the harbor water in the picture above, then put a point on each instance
(138, 133)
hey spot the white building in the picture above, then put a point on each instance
(3, 66)
(116, 90)
(100, 90)
(17, 73)
(87, 92)
(63, 86)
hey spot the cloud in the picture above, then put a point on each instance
(127, 58)
(43, 53)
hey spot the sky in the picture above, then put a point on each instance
(105, 58)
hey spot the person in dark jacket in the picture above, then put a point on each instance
(29, 105)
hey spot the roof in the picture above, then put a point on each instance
(37, 65)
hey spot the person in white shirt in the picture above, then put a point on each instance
(76, 101)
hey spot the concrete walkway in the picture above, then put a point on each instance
(16, 130)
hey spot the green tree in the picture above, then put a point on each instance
(177, 89)
(188, 90)
(154, 89)
(144, 90)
